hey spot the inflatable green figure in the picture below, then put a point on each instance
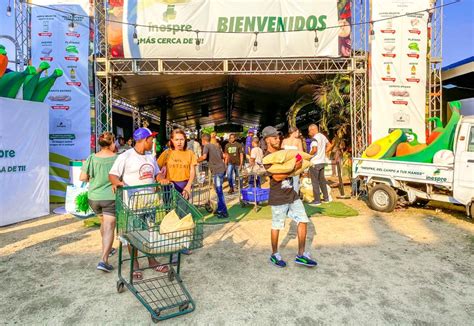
(444, 141)
(44, 86)
(31, 81)
(11, 82)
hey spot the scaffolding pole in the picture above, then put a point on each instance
(435, 85)
(102, 79)
(359, 80)
(21, 34)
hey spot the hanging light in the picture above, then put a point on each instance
(135, 35)
(198, 41)
(9, 9)
(372, 32)
(255, 43)
(71, 24)
(316, 39)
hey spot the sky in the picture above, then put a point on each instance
(458, 29)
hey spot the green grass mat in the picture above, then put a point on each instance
(238, 213)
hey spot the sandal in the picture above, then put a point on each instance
(137, 276)
(161, 268)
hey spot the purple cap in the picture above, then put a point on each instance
(143, 133)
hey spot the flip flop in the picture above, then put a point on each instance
(137, 276)
(161, 268)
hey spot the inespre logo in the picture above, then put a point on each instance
(7, 153)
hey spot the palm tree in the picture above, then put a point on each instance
(331, 95)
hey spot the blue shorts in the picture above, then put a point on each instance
(294, 211)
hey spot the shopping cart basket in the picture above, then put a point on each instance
(140, 210)
(201, 188)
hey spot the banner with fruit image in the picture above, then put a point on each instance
(63, 40)
(247, 28)
(398, 67)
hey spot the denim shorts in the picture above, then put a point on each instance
(295, 211)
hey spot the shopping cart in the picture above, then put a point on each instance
(140, 210)
(201, 188)
(251, 191)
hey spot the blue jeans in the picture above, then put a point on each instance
(254, 181)
(218, 179)
(232, 170)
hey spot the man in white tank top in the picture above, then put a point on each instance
(316, 171)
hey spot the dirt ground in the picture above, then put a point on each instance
(413, 266)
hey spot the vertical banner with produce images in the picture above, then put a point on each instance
(284, 28)
(62, 40)
(398, 67)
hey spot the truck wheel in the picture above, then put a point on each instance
(382, 198)
(472, 210)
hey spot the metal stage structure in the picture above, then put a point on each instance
(356, 66)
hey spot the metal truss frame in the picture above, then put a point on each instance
(359, 108)
(260, 66)
(435, 85)
(22, 34)
(102, 84)
(359, 97)
(355, 66)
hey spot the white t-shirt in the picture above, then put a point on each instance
(320, 141)
(135, 169)
(257, 154)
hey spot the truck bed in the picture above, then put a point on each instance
(427, 173)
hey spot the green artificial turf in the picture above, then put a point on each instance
(247, 213)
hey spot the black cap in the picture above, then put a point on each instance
(270, 132)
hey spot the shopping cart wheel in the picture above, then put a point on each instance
(155, 320)
(120, 286)
(209, 207)
(184, 306)
(171, 274)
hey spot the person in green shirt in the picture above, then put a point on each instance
(101, 197)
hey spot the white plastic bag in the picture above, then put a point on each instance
(71, 193)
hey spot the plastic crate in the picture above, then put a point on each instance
(248, 194)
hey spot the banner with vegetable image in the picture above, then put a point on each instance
(246, 28)
(398, 67)
(63, 40)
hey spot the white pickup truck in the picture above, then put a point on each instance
(387, 182)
